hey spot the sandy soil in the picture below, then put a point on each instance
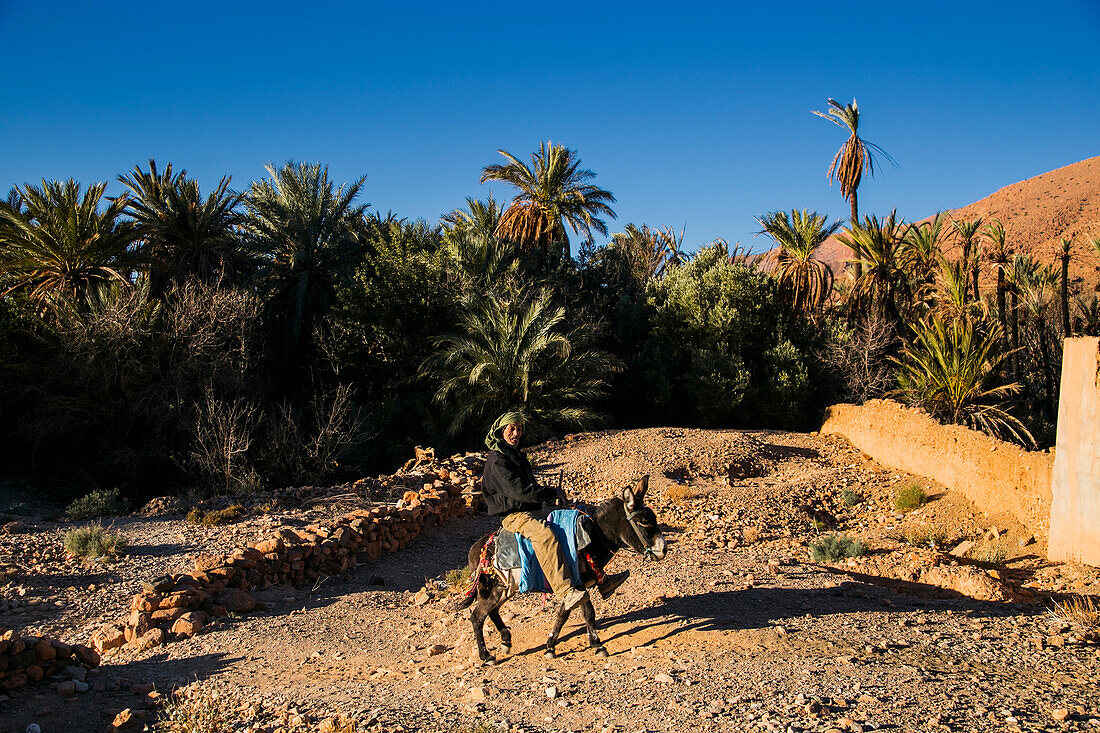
(735, 630)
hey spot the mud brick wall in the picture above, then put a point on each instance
(996, 476)
(1075, 506)
(178, 606)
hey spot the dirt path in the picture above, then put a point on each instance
(734, 630)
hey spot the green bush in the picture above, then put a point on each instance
(713, 345)
(196, 709)
(93, 541)
(910, 498)
(989, 553)
(850, 498)
(108, 503)
(925, 536)
(833, 548)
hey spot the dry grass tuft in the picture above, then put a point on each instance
(910, 498)
(989, 553)
(927, 536)
(196, 709)
(1082, 611)
(229, 515)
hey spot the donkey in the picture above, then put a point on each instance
(621, 523)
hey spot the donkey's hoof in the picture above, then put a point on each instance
(601, 652)
(506, 648)
(549, 654)
(489, 661)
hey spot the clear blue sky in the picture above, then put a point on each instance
(690, 114)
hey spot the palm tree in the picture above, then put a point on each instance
(510, 355)
(920, 249)
(309, 233)
(185, 236)
(999, 257)
(805, 281)
(854, 157)
(644, 253)
(967, 230)
(883, 282)
(955, 301)
(1039, 286)
(1017, 276)
(58, 245)
(948, 370)
(1065, 254)
(480, 218)
(552, 193)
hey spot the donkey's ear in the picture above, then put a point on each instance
(629, 499)
(641, 487)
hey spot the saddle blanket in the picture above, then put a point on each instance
(514, 552)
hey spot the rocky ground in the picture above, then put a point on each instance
(736, 629)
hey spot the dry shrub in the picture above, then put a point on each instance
(858, 359)
(1081, 611)
(457, 578)
(220, 439)
(228, 515)
(989, 553)
(927, 536)
(93, 541)
(680, 493)
(305, 443)
(751, 534)
(196, 709)
(850, 498)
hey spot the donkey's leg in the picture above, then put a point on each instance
(589, 613)
(477, 618)
(559, 622)
(505, 632)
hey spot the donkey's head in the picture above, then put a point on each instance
(635, 526)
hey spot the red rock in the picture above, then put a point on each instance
(127, 720)
(235, 601)
(108, 637)
(44, 650)
(188, 624)
(35, 673)
(151, 638)
(86, 655)
(14, 680)
(142, 689)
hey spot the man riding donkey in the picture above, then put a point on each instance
(511, 492)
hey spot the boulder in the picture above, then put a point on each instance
(235, 601)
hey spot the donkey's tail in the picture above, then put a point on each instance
(475, 575)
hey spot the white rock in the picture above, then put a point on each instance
(552, 692)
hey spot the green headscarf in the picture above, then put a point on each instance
(495, 438)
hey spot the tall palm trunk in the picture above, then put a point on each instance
(977, 293)
(1001, 301)
(1048, 371)
(854, 222)
(1066, 333)
(1015, 334)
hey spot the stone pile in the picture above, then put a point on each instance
(178, 606)
(26, 659)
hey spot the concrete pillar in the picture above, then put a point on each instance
(1075, 499)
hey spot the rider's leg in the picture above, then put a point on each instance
(548, 550)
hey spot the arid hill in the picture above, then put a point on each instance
(1036, 212)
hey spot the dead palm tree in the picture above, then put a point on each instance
(806, 282)
(553, 193)
(854, 157)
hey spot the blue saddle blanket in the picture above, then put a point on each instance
(567, 525)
